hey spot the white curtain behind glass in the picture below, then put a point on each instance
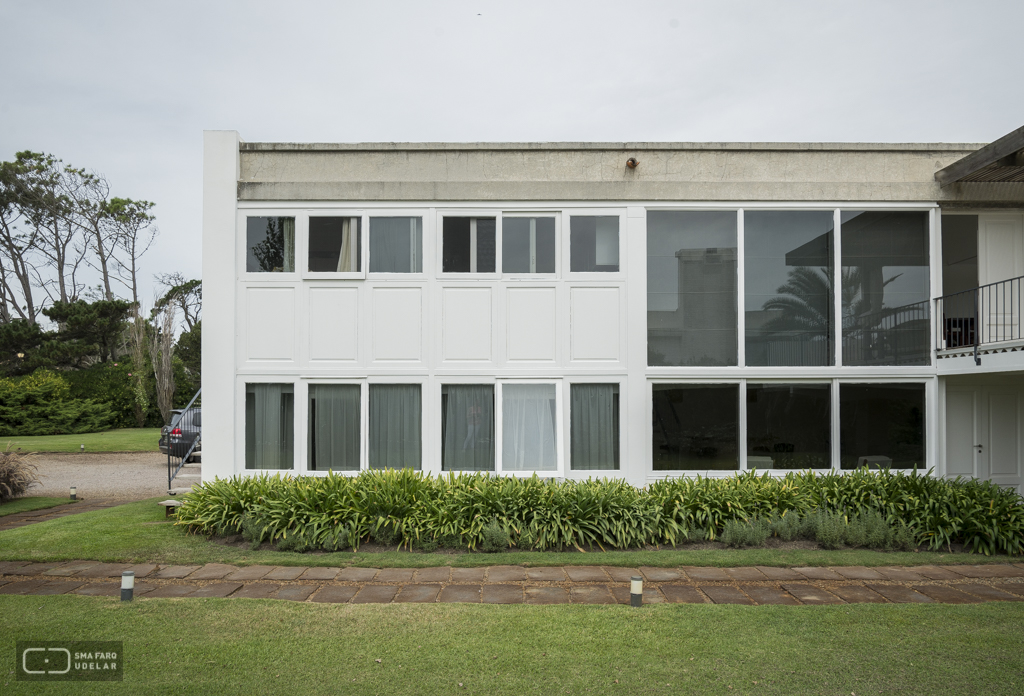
(395, 244)
(334, 427)
(468, 427)
(593, 436)
(346, 257)
(395, 440)
(269, 426)
(528, 427)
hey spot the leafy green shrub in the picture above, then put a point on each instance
(738, 533)
(405, 507)
(41, 404)
(252, 528)
(17, 474)
(495, 538)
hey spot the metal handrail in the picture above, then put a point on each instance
(175, 421)
(989, 313)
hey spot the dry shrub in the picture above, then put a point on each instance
(17, 474)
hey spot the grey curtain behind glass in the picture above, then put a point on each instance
(594, 436)
(395, 244)
(468, 427)
(269, 426)
(395, 440)
(334, 427)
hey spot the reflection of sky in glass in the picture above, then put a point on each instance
(671, 231)
(767, 237)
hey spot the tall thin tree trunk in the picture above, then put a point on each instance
(137, 344)
(161, 350)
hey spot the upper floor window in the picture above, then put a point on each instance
(528, 245)
(594, 243)
(334, 244)
(468, 245)
(270, 245)
(396, 245)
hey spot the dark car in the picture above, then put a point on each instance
(187, 428)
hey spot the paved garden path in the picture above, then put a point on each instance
(20, 519)
(953, 584)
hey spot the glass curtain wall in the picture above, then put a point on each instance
(395, 426)
(467, 427)
(269, 426)
(696, 427)
(886, 312)
(528, 427)
(788, 262)
(594, 427)
(882, 426)
(334, 427)
(270, 245)
(396, 245)
(789, 426)
(334, 244)
(691, 288)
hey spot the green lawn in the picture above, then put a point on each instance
(120, 440)
(137, 532)
(240, 646)
(31, 503)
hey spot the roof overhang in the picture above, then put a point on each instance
(1001, 161)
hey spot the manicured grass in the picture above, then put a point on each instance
(120, 440)
(31, 503)
(239, 646)
(137, 532)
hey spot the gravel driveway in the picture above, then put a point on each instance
(120, 476)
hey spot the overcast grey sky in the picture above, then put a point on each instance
(126, 88)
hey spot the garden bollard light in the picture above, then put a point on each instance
(636, 591)
(74, 493)
(127, 585)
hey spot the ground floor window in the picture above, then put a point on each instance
(882, 426)
(467, 427)
(528, 427)
(269, 426)
(696, 427)
(594, 427)
(789, 426)
(396, 440)
(334, 427)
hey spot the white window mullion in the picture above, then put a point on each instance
(472, 245)
(533, 245)
(498, 419)
(836, 449)
(837, 285)
(743, 425)
(741, 339)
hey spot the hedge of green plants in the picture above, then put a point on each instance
(484, 512)
(41, 404)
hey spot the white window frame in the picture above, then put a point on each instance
(473, 215)
(242, 249)
(302, 446)
(559, 471)
(442, 381)
(298, 419)
(425, 255)
(363, 245)
(621, 381)
(554, 215)
(566, 245)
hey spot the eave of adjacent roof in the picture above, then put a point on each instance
(998, 162)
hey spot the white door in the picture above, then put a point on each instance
(961, 432)
(983, 434)
(1000, 257)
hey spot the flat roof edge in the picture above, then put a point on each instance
(567, 146)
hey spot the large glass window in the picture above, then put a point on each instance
(691, 288)
(959, 279)
(467, 427)
(468, 245)
(882, 426)
(334, 427)
(594, 243)
(270, 245)
(788, 261)
(528, 427)
(528, 245)
(594, 429)
(334, 244)
(696, 427)
(885, 288)
(395, 426)
(789, 426)
(396, 245)
(269, 426)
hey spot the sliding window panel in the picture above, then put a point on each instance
(594, 244)
(270, 245)
(528, 245)
(334, 427)
(396, 440)
(468, 245)
(886, 306)
(691, 288)
(594, 429)
(334, 244)
(882, 426)
(467, 427)
(528, 427)
(788, 301)
(396, 245)
(789, 426)
(269, 426)
(696, 427)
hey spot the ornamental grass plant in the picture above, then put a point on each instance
(17, 474)
(477, 511)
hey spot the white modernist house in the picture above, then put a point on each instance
(637, 310)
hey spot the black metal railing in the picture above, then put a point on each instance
(980, 316)
(182, 438)
(891, 336)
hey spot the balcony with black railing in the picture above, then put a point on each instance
(980, 319)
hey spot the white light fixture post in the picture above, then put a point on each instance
(74, 492)
(127, 585)
(636, 591)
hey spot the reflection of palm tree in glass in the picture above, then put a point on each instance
(270, 252)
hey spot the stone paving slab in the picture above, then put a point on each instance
(391, 575)
(250, 573)
(622, 574)
(809, 594)
(57, 587)
(36, 568)
(990, 571)
(468, 575)
(166, 591)
(705, 574)
(285, 573)
(678, 594)
(946, 594)
(820, 574)
(726, 594)
(357, 574)
(586, 574)
(546, 574)
(175, 572)
(857, 594)
(900, 574)
(335, 594)
(99, 589)
(375, 594)
(986, 592)
(460, 593)
(257, 590)
(217, 589)
(780, 574)
(19, 587)
(660, 574)
(746, 574)
(296, 593)
(11, 567)
(213, 571)
(502, 594)
(420, 594)
(591, 594)
(433, 574)
(1014, 588)
(506, 574)
(768, 595)
(320, 574)
(547, 595)
(859, 573)
(937, 573)
(900, 594)
(71, 568)
(652, 595)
